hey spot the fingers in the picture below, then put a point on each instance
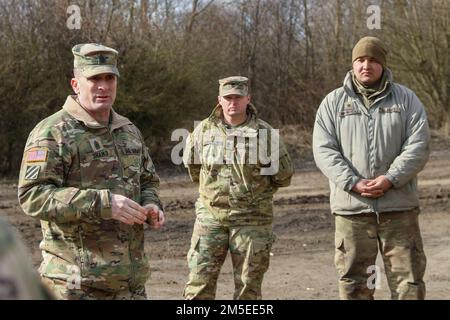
(374, 184)
(371, 188)
(379, 186)
(380, 182)
(371, 183)
(135, 206)
(374, 188)
(137, 210)
(361, 186)
(153, 213)
(127, 219)
(152, 210)
(136, 215)
(130, 212)
(160, 221)
(157, 219)
(374, 194)
(162, 218)
(151, 206)
(127, 211)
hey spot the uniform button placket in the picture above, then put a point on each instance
(371, 144)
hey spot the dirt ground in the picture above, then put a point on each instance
(302, 262)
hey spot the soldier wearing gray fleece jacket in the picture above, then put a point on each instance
(371, 139)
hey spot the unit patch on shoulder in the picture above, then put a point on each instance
(36, 155)
(32, 172)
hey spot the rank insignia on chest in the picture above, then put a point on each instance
(96, 144)
(37, 155)
(349, 109)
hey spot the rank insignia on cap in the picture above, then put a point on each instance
(36, 155)
(32, 172)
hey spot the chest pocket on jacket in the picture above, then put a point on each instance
(98, 167)
(213, 152)
(391, 116)
(130, 149)
(349, 112)
(394, 109)
(130, 157)
(131, 164)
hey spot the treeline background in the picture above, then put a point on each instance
(172, 52)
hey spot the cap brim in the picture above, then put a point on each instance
(96, 70)
(234, 92)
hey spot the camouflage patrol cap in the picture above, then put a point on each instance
(92, 59)
(233, 85)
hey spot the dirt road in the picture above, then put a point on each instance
(302, 263)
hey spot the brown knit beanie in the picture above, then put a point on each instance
(370, 47)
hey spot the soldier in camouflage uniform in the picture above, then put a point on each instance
(371, 139)
(87, 175)
(18, 279)
(234, 210)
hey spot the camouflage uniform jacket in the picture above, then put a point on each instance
(70, 167)
(233, 190)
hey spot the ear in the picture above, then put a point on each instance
(218, 99)
(74, 84)
(249, 98)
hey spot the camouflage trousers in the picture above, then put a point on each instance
(61, 291)
(397, 236)
(249, 247)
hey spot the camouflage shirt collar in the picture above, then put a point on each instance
(78, 112)
(217, 116)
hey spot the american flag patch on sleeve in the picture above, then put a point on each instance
(36, 155)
